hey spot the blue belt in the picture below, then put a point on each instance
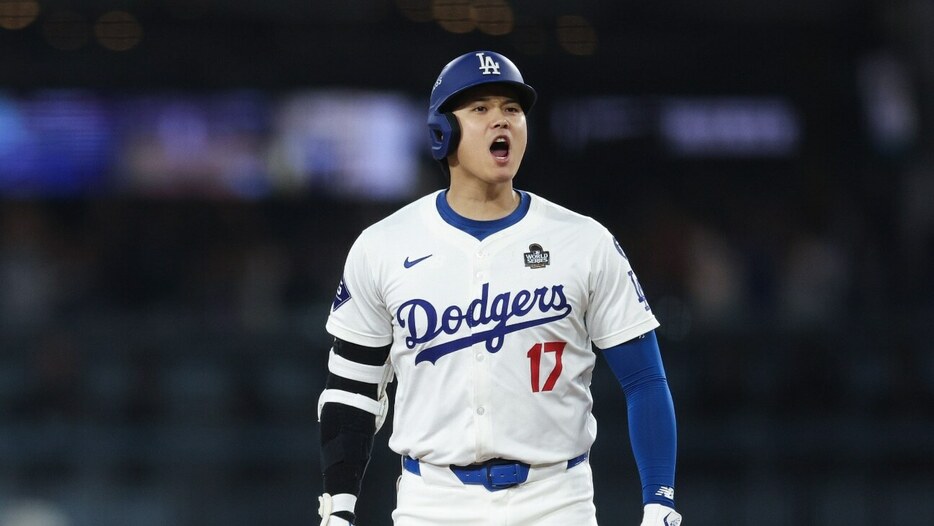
(494, 475)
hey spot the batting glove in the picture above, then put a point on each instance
(658, 515)
(328, 504)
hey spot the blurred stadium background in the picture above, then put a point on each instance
(180, 181)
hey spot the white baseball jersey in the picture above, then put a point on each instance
(491, 340)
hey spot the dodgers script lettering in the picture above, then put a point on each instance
(498, 316)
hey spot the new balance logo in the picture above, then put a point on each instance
(488, 65)
(667, 492)
(410, 264)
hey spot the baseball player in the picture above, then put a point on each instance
(489, 305)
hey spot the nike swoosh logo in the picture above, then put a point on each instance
(410, 264)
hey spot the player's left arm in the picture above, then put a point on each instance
(351, 409)
(637, 364)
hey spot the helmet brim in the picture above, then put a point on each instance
(525, 94)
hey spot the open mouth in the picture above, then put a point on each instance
(500, 148)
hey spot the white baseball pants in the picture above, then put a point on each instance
(438, 498)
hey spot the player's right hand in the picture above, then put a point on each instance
(658, 515)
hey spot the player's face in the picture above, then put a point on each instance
(493, 135)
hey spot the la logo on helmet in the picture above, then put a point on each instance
(488, 65)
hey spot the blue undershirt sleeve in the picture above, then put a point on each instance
(637, 365)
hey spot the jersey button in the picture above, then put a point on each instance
(479, 356)
(480, 411)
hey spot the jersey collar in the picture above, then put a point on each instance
(481, 229)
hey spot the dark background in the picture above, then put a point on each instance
(161, 351)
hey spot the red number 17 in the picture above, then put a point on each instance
(535, 358)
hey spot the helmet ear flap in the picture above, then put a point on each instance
(444, 132)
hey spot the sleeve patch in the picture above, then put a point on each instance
(639, 292)
(341, 297)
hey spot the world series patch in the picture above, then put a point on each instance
(537, 257)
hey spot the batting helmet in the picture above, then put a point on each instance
(462, 73)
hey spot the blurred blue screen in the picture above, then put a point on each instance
(238, 144)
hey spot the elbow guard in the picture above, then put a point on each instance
(352, 369)
(351, 410)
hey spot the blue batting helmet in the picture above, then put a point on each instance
(462, 73)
